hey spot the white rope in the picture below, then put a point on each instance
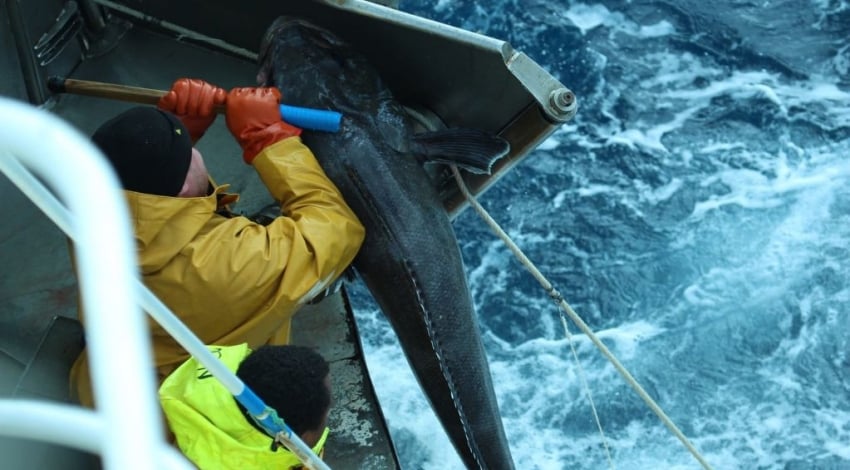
(556, 296)
(586, 388)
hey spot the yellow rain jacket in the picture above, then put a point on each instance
(210, 428)
(231, 280)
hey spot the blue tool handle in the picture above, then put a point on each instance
(309, 118)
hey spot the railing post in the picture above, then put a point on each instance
(125, 390)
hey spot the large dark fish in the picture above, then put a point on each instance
(410, 260)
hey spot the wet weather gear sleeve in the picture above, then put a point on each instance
(229, 279)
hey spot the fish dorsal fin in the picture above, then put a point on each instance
(470, 149)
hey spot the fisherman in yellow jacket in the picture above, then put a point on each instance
(229, 279)
(215, 432)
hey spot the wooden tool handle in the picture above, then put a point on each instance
(105, 90)
(109, 90)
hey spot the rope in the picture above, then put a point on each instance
(556, 296)
(586, 389)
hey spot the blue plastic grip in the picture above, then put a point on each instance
(256, 407)
(251, 401)
(309, 118)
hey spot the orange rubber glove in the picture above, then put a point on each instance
(193, 101)
(253, 117)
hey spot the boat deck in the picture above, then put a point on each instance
(39, 333)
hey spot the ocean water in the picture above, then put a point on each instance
(695, 213)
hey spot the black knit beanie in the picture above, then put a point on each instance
(150, 149)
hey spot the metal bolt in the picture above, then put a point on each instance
(562, 101)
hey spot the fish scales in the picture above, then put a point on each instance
(410, 260)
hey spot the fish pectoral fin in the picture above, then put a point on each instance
(470, 149)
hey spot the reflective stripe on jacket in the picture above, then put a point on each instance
(210, 428)
(231, 280)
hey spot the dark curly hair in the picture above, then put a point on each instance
(290, 379)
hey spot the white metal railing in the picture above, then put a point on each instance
(131, 428)
(67, 145)
(73, 426)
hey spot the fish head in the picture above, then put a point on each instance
(304, 61)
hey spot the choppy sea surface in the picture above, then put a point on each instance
(695, 213)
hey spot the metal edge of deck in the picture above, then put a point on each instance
(359, 434)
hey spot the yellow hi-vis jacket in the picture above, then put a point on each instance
(209, 427)
(229, 279)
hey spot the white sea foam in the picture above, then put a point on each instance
(701, 225)
(587, 17)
